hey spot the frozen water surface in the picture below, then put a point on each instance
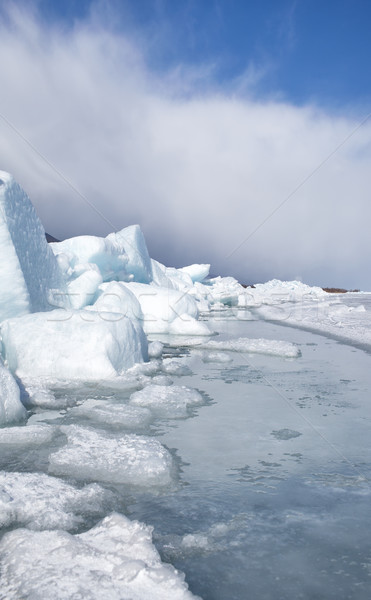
(260, 492)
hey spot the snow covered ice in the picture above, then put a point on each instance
(120, 416)
(129, 458)
(114, 560)
(167, 401)
(235, 440)
(39, 501)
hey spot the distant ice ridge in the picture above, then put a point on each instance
(114, 560)
(329, 315)
(255, 346)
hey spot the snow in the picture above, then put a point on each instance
(38, 501)
(72, 345)
(167, 401)
(129, 458)
(11, 407)
(29, 271)
(115, 560)
(130, 241)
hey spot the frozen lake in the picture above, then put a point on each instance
(270, 494)
(275, 501)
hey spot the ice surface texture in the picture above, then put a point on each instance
(197, 272)
(256, 346)
(24, 437)
(39, 501)
(28, 267)
(167, 401)
(72, 345)
(115, 560)
(161, 307)
(131, 242)
(11, 407)
(88, 249)
(115, 415)
(131, 459)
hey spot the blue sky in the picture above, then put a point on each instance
(197, 119)
(301, 50)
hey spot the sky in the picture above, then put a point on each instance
(235, 132)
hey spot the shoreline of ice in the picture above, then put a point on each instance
(79, 313)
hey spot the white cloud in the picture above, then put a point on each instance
(198, 171)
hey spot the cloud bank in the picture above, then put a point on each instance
(199, 167)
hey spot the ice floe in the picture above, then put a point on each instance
(39, 501)
(131, 459)
(114, 560)
(26, 436)
(72, 345)
(113, 414)
(167, 401)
